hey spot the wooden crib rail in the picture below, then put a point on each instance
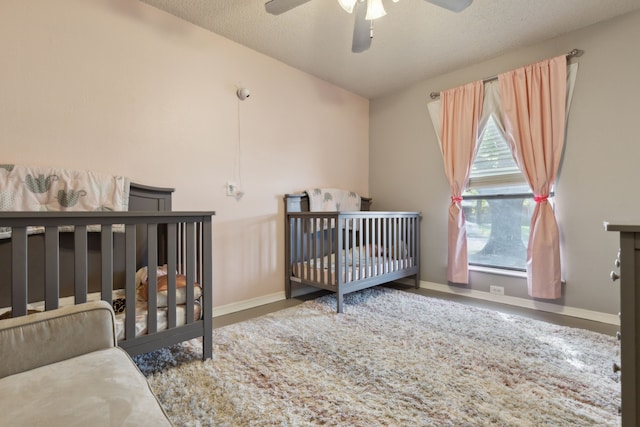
(186, 244)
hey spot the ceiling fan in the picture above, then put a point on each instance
(365, 11)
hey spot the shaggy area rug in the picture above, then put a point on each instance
(392, 359)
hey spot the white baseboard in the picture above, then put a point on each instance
(596, 316)
(247, 304)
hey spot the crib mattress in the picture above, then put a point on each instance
(141, 312)
(323, 270)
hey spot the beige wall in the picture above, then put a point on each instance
(120, 87)
(597, 179)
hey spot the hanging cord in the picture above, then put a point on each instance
(237, 172)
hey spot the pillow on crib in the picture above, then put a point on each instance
(401, 250)
(181, 290)
(372, 252)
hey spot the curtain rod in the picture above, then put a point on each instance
(574, 52)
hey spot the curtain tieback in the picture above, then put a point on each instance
(456, 199)
(540, 199)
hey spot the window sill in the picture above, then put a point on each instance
(498, 271)
(503, 272)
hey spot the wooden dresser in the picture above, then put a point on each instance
(627, 271)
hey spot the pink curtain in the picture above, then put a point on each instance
(533, 102)
(461, 108)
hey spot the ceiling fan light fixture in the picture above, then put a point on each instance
(375, 10)
(347, 5)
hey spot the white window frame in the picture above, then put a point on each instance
(508, 176)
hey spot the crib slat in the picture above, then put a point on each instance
(402, 238)
(19, 279)
(207, 289)
(318, 253)
(297, 224)
(408, 242)
(313, 250)
(293, 254)
(80, 258)
(295, 227)
(324, 229)
(415, 234)
(313, 253)
(345, 254)
(300, 247)
(411, 245)
(302, 256)
(310, 249)
(381, 248)
(340, 254)
(416, 244)
(416, 256)
(367, 252)
(401, 242)
(393, 243)
(180, 252)
(374, 246)
(172, 233)
(106, 260)
(352, 231)
(199, 249)
(338, 251)
(152, 262)
(362, 251)
(51, 267)
(331, 242)
(190, 270)
(383, 244)
(307, 250)
(393, 240)
(332, 266)
(389, 244)
(130, 282)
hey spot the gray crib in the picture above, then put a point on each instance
(80, 263)
(345, 252)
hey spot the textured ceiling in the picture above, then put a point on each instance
(414, 41)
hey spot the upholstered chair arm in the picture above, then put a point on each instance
(35, 340)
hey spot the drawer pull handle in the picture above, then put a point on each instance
(617, 262)
(614, 276)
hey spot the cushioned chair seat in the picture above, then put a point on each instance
(101, 388)
(62, 368)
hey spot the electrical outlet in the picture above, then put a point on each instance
(232, 189)
(496, 290)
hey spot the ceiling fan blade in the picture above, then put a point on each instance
(361, 29)
(452, 5)
(276, 7)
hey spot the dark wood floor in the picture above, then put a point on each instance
(558, 319)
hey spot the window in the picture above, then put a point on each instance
(498, 205)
